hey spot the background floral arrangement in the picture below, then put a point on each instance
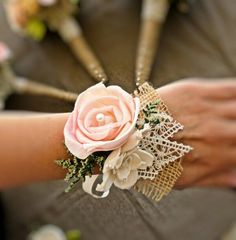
(53, 232)
(33, 17)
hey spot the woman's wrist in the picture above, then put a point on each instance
(39, 140)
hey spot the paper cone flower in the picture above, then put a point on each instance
(33, 17)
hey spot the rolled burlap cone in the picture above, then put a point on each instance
(25, 86)
(150, 33)
(71, 33)
(83, 52)
(58, 17)
(154, 13)
(10, 83)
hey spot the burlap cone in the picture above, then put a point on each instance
(153, 15)
(86, 56)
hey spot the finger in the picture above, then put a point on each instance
(220, 89)
(194, 172)
(191, 174)
(223, 179)
(225, 109)
(218, 130)
(208, 134)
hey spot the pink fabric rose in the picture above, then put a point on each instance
(5, 53)
(102, 120)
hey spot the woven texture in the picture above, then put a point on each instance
(162, 184)
(158, 180)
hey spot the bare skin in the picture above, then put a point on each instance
(208, 112)
(30, 144)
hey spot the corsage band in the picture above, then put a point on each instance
(115, 138)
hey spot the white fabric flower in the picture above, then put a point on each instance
(121, 166)
(48, 232)
(47, 3)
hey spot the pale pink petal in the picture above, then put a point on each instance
(97, 102)
(73, 145)
(124, 96)
(96, 90)
(93, 136)
(84, 137)
(120, 140)
(127, 116)
(117, 113)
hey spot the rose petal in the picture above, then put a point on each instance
(118, 91)
(108, 140)
(126, 112)
(73, 145)
(97, 102)
(93, 137)
(97, 90)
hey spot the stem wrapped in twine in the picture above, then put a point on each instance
(29, 17)
(70, 31)
(11, 83)
(154, 13)
(24, 86)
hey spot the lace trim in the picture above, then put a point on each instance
(158, 180)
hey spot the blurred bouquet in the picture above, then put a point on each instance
(30, 17)
(33, 17)
(53, 232)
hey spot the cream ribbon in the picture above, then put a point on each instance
(155, 9)
(89, 184)
(69, 29)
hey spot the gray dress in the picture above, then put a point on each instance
(199, 44)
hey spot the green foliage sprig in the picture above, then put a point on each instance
(151, 113)
(78, 169)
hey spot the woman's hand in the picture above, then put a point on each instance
(208, 112)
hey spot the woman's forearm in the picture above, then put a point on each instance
(28, 147)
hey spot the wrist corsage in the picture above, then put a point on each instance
(33, 17)
(115, 138)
